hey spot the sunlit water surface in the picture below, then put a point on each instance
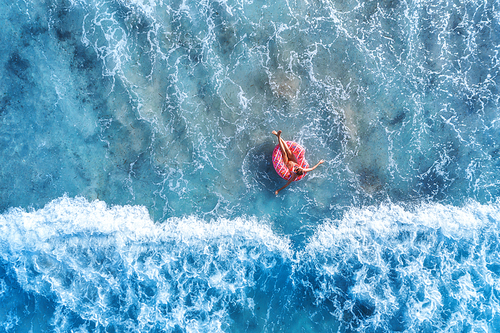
(136, 182)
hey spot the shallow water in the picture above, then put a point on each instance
(136, 183)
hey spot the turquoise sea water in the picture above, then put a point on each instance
(136, 183)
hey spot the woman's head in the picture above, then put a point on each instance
(299, 171)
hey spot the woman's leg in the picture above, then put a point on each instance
(285, 151)
(283, 147)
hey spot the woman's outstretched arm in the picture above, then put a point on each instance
(287, 183)
(314, 167)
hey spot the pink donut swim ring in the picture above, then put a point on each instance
(280, 166)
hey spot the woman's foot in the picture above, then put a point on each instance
(277, 133)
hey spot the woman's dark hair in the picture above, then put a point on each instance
(299, 172)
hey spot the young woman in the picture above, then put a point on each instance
(291, 162)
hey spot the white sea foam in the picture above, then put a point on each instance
(385, 265)
(115, 266)
(432, 260)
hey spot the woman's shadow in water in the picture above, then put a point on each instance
(258, 169)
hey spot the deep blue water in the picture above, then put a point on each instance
(136, 182)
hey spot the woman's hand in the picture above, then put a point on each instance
(287, 183)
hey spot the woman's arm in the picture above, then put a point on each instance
(287, 183)
(314, 167)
